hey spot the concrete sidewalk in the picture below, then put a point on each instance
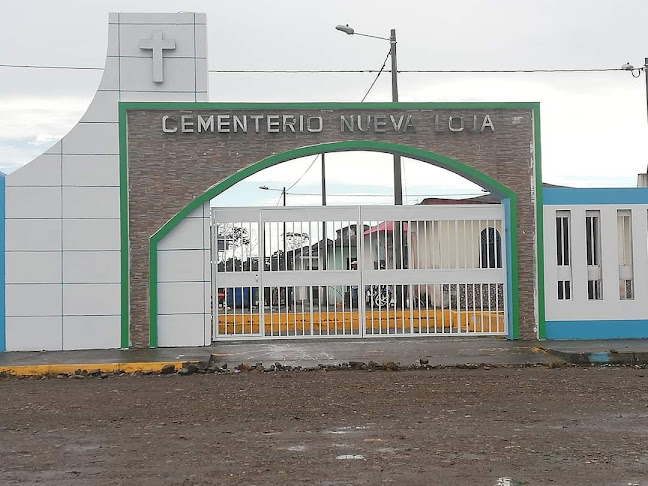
(618, 351)
(446, 351)
(305, 353)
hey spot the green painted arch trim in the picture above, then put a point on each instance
(352, 145)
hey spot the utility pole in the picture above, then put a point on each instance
(324, 236)
(283, 192)
(398, 182)
(324, 250)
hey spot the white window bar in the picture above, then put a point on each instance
(624, 237)
(563, 254)
(593, 253)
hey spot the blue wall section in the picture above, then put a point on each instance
(617, 329)
(3, 342)
(552, 196)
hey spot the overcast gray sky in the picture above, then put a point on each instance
(594, 128)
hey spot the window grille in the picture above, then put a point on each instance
(490, 248)
(624, 238)
(593, 242)
(563, 254)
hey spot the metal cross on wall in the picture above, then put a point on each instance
(157, 44)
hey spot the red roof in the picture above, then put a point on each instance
(385, 226)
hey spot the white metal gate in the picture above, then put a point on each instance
(358, 271)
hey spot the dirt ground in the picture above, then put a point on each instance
(566, 426)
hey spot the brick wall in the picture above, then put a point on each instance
(168, 170)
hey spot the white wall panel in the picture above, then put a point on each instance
(180, 266)
(32, 234)
(34, 334)
(156, 96)
(91, 234)
(92, 138)
(207, 230)
(33, 202)
(33, 299)
(202, 76)
(201, 47)
(33, 267)
(207, 297)
(186, 18)
(113, 38)
(137, 75)
(91, 202)
(132, 34)
(180, 298)
(110, 79)
(640, 252)
(208, 330)
(91, 299)
(188, 235)
(199, 212)
(54, 149)
(611, 307)
(74, 207)
(44, 170)
(207, 268)
(103, 108)
(90, 170)
(181, 330)
(91, 267)
(94, 332)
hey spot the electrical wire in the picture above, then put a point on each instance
(376, 79)
(301, 176)
(34, 66)
(386, 195)
(350, 71)
(361, 101)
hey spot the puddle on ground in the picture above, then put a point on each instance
(293, 448)
(346, 430)
(509, 482)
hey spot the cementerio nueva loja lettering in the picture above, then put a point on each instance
(347, 123)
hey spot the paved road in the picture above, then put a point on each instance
(566, 426)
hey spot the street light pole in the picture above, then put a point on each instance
(646, 76)
(397, 229)
(398, 181)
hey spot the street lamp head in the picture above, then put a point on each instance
(265, 188)
(346, 29)
(627, 67)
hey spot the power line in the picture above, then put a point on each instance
(350, 71)
(376, 79)
(301, 176)
(415, 71)
(34, 66)
(361, 101)
(386, 195)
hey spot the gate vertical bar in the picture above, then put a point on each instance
(261, 269)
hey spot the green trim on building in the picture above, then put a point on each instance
(373, 146)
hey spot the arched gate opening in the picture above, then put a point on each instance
(359, 270)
